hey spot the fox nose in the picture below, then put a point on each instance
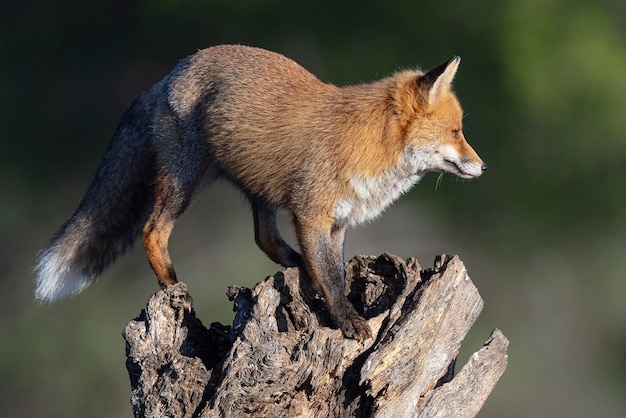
(484, 167)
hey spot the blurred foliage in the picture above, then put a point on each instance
(543, 233)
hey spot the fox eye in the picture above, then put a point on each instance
(456, 133)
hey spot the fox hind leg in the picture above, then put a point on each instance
(168, 206)
(170, 203)
(173, 194)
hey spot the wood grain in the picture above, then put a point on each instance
(281, 358)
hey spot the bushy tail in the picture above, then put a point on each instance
(109, 218)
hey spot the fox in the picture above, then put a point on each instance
(333, 157)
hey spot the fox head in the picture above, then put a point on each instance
(431, 118)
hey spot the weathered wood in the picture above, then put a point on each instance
(468, 391)
(281, 358)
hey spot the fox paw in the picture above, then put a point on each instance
(292, 259)
(354, 326)
(179, 297)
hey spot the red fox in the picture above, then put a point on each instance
(332, 156)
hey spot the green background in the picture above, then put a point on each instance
(542, 233)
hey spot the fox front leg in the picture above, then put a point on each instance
(267, 235)
(322, 249)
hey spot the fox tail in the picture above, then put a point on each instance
(110, 216)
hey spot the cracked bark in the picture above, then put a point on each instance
(282, 358)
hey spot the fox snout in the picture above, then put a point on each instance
(462, 161)
(467, 169)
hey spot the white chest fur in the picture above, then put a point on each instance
(371, 195)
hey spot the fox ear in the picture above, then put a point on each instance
(438, 80)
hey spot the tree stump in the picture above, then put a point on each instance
(282, 357)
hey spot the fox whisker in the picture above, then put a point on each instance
(438, 182)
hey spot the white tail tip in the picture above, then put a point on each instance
(57, 278)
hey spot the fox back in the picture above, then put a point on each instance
(283, 134)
